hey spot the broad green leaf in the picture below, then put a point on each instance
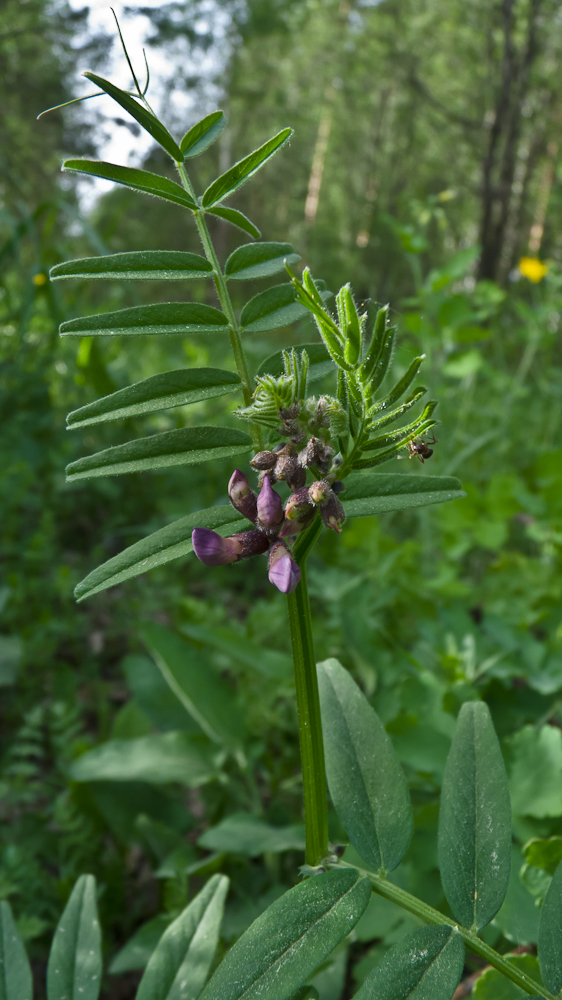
(550, 935)
(320, 362)
(153, 265)
(475, 820)
(16, 982)
(158, 758)
(180, 318)
(425, 965)
(236, 218)
(75, 963)
(159, 392)
(138, 949)
(273, 308)
(259, 260)
(269, 662)
(201, 135)
(159, 548)
(242, 833)
(280, 950)
(366, 782)
(148, 121)
(492, 985)
(179, 966)
(545, 854)
(203, 693)
(138, 180)
(518, 918)
(240, 172)
(536, 772)
(184, 446)
(374, 493)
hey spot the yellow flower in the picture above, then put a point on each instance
(532, 268)
(40, 279)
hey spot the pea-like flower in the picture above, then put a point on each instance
(284, 572)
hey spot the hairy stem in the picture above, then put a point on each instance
(408, 902)
(227, 307)
(310, 723)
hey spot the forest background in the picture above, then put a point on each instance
(424, 169)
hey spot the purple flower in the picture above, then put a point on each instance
(284, 572)
(270, 506)
(242, 497)
(213, 550)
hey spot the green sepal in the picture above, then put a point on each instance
(160, 318)
(405, 432)
(259, 260)
(138, 180)
(141, 114)
(236, 218)
(150, 265)
(202, 135)
(376, 345)
(240, 172)
(320, 362)
(400, 387)
(389, 418)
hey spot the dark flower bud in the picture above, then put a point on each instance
(294, 527)
(264, 460)
(270, 506)
(297, 504)
(213, 550)
(320, 492)
(316, 452)
(333, 514)
(288, 469)
(338, 487)
(253, 543)
(284, 572)
(242, 497)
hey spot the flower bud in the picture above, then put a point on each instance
(333, 514)
(242, 497)
(213, 550)
(284, 572)
(263, 460)
(287, 468)
(270, 506)
(297, 504)
(316, 452)
(320, 492)
(253, 543)
(294, 527)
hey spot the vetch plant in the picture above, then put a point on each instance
(320, 448)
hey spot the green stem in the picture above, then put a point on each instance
(310, 723)
(408, 902)
(234, 329)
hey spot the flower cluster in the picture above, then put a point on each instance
(274, 521)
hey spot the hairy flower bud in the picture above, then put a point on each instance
(270, 506)
(284, 572)
(242, 497)
(253, 543)
(297, 504)
(264, 460)
(213, 550)
(316, 452)
(294, 527)
(333, 514)
(288, 469)
(320, 492)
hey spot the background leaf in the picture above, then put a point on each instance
(201, 135)
(179, 966)
(159, 392)
(16, 981)
(475, 820)
(160, 547)
(132, 177)
(366, 782)
(242, 833)
(492, 985)
(425, 965)
(160, 318)
(153, 265)
(269, 662)
(283, 946)
(550, 935)
(374, 493)
(184, 446)
(236, 218)
(259, 260)
(75, 964)
(140, 114)
(158, 758)
(240, 172)
(138, 949)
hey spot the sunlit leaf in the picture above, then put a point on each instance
(140, 114)
(158, 758)
(201, 135)
(240, 172)
(184, 446)
(179, 318)
(273, 308)
(280, 950)
(259, 260)
(375, 493)
(159, 548)
(236, 218)
(75, 963)
(16, 982)
(426, 965)
(131, 177)
(153, 265)
(159, 392)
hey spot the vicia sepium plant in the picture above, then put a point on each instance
(318, 450)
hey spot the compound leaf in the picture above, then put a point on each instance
(184, 446)
(550, 935)
(236, 218)
(75, 963)
(153, 265)
(201, 135)
(179, 318)
(278, 952)
(273, 308)
(179, 966)
(366, 782)
(141, 114)
(259, 260)
(159, 392)
(426, 965)
(132, 177)
(375, 493)
(16, 981)
(475, 820)
(240, 172)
